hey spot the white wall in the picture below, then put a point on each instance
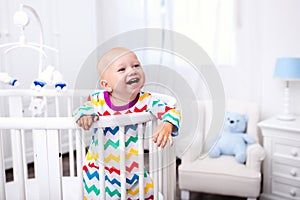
(243, 81)
(280, 37)
(267, 29)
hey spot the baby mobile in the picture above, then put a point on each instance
(46, 75)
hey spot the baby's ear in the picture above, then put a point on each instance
(104, 84)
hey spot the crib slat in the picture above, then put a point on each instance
(160, 169)
(57, 113)
(172, 172)
(15, 110)
(154, 153)
(78, 153)
(2, 170)
(46, 107)
(122, 163)
(150, 145)
(141, 161)
(41, 163)
(71, 153)
(53, 148)
(79, 158)
(18, 163)
(100, 135)
(165, 166)
(24, 154)
(83, 151)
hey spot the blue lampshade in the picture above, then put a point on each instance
(287, 68)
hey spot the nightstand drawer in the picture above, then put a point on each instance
(281, 167)
(285, 190)
(287, 171)
(287, 148)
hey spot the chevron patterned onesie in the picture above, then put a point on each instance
(99, 104)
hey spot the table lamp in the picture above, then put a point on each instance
(287, 69)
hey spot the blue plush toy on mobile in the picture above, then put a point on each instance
(234, 138)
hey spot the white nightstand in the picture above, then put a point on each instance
(281, 167)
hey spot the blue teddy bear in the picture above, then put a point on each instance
(234, 138)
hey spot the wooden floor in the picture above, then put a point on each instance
(66, 172)
(30, 168)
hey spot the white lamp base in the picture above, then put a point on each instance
(286, 117)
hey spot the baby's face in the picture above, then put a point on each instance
(125, 76)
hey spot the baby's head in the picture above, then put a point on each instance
(121, 73)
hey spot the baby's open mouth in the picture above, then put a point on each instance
(132, 81)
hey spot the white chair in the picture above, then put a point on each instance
(223, 175)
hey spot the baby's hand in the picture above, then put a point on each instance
(86, 122)
(163, 133)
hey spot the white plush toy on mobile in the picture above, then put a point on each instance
(5, 78)
(43, 79)
(58, 81)
(37, 106)
(50, 76)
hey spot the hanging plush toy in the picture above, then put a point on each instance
(58, 81)
(6, 79)
(43, 79)
(50, 76)
(37, 106)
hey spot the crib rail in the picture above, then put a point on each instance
(47, 130)
(47, 159)
(48, 103)
(49, 183)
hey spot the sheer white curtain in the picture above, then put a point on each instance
(210, 23)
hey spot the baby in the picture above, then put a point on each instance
(122, 78)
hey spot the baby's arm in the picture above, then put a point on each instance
(170, 122)
(163, 133)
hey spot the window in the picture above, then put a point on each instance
(210, 23)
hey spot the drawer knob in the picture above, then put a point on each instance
(293, 172)
(294, 152)
(293, 192)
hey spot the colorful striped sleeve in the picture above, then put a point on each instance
(165, 112)
(86, 109)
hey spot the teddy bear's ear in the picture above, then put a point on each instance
(227, 114)
(245, 118)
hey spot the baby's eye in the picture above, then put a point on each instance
(121, 69)
(136, 65)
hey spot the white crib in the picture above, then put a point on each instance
(55, 133)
